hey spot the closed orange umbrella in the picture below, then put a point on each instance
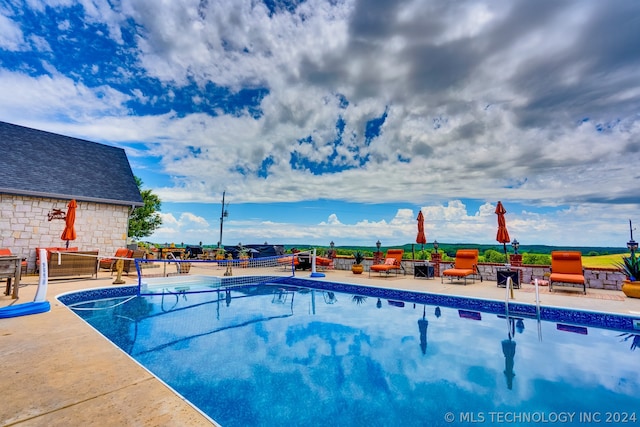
(503, 234)
(69, 232)
(421, 238)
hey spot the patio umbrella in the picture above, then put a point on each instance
(509, 352)
(503, 234)
(421, 238)
(423, 324)
(69, 232)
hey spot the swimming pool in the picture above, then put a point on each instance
(295, 354)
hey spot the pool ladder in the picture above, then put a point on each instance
(509, 294)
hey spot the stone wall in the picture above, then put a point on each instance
(596, 278)
(24, 226)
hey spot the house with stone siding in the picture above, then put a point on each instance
(41, 172)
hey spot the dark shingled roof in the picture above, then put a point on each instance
(44, 164)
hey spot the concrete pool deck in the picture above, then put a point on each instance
(58, 371)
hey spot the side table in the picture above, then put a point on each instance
(10, 268)
(504, 274)
(423, 271)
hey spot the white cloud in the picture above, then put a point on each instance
(11, 37)
(483, 100)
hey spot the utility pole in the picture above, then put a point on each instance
(223, 215)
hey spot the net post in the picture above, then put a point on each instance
(314, 273)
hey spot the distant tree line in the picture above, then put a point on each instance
(531, 254)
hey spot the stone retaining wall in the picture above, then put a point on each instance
(596, 278)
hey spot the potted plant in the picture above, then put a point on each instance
(635, 339)
(357, 267)
(183, 267)
(359, 299)
(151, 252)
(243, 254)
(631, 268)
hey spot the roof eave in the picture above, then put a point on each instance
(70, 196)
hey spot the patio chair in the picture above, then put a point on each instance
(392, 262)
(287, 260)
(324, 263)
(466, 265)
(566, 268)
(110, 263)
(7, 252)
(130, 264)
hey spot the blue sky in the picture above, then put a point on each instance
(340, 120)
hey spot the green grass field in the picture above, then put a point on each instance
(602, 260)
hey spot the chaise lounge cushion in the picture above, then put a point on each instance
(466, 264)
(566, 267)
(51, 249)
(393, 261)
(324, 262)
(466, 260)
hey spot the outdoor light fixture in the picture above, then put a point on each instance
(378, 245)
(632, 245)
(435, 245)
(332, 244)
(515, 245)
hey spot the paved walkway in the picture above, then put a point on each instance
(57, 371)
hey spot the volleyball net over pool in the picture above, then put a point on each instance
(199, 275)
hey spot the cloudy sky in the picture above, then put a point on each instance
(340, 119)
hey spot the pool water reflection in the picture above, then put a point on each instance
(276, 355)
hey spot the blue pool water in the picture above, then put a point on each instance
(295, 356)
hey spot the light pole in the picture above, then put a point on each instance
(516, 258)
(377, 257)
(632, 245)
(223, 215)
(435, 259)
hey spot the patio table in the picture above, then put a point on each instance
(10, 268)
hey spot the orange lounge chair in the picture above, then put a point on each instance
(566, 267)
(286, 261)
(466, 265)
(392, 262)
(324, 262)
